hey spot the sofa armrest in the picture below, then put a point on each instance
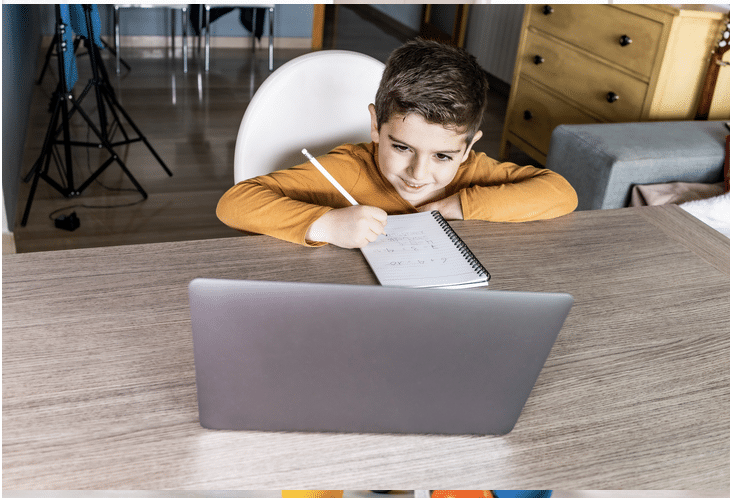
(603, 161)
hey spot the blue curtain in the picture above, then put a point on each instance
(74, 17)
(78, 22)
(68, 56)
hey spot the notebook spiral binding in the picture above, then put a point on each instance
(461, 246)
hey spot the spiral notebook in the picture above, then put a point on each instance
(422, 250)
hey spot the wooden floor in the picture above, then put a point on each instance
(191, 120)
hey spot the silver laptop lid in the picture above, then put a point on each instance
(323, 357)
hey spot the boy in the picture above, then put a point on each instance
(426, 118)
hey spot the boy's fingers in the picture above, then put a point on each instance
(379, 227)
(378, 214)
(382, 217)
(376, 231)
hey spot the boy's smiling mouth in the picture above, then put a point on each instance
(414, 186)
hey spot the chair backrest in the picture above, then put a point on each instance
(316, 101)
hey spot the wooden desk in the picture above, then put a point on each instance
(99, 388)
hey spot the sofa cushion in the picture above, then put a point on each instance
(603, 161)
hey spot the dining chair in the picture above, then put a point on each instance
(183, 8)
(315, 101)
(270, 8)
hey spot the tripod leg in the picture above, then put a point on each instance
(95, 61)
(49, 53)
(141, 135)
(115, 157)
(99, 70)
(48, 140)
(107, 91)
(33, 187)
(40, 168)
(114, 53)
(116, 120)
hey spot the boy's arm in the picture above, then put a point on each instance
(254, 206)
(299, 205)
(508, 192)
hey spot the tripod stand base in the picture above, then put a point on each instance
(105, 101)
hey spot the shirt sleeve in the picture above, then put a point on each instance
(285, 203)
(495, 191)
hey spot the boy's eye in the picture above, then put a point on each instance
(401, 148)
(443, 157)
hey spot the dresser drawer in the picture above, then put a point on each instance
(599, 28)
(535, 113)
(603, 89)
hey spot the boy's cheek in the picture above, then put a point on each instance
(387, 165)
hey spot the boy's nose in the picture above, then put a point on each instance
(418, 169)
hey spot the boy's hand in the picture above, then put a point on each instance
(450, 208)
(350, 227)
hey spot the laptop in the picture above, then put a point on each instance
(285, 356)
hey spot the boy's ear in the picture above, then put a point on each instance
(477, 136)
(374, 133)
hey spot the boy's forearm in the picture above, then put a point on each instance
(253, 208)
(544, 196)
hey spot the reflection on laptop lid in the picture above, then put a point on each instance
(284, 356)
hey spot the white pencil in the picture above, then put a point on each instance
(329, 177)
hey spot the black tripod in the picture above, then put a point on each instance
(105, 99)
(52, 46)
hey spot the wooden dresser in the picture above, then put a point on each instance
(609, 63)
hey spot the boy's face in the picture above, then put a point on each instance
(417, 157)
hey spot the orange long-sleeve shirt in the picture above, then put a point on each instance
(285, 203)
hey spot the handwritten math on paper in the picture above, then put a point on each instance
(419, 252)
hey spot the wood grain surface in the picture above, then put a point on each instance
(99, 387)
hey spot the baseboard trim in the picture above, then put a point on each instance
(215, 42)
(8, 243)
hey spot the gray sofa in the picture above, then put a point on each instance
(604, 161)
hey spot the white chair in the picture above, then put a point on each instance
(316, 101)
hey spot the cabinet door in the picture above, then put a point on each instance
(599, 29)
(536, 113)
(585, 80)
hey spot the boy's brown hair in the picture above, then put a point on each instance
(442, 83)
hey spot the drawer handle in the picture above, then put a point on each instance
(527, 115)
(547, 10)
(538, 59)
(624, 40)
(611, 97)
